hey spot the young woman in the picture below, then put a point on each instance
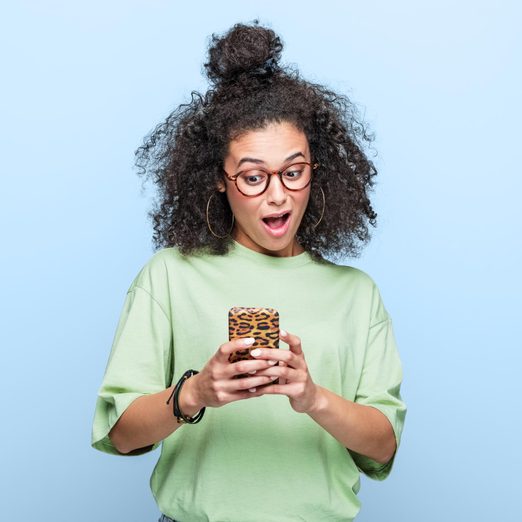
(260, 179)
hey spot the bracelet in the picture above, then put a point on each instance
(180, 416)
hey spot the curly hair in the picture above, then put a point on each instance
(184, 155)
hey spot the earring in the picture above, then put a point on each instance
(208, 222)
(324, 206)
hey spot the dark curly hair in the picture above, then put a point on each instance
(184, 155)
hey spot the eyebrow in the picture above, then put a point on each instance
(255, 160)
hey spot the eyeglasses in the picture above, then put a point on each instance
(253, 182)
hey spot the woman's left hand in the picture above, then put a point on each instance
(292, 370)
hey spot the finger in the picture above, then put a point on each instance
(226, 349)
(247, 383)
(285, 374)
(239, 395)
(249, 394)
(293, 341)
(290, 390)
(281, 379)
(251, 366)
(276, 354)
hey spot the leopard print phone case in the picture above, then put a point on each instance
(260, 323)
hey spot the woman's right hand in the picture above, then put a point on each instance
(215, 384)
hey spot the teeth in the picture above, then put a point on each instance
(277, 217)
(276, 222)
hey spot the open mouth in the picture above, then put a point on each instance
(276, 222)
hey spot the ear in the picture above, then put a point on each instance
(221, 186)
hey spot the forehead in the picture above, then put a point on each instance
(272, 143)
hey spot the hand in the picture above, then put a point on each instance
(215, 384)
(299, 386)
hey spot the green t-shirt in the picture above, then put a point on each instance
(254, 459)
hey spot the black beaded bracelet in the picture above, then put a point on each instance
(180, 416)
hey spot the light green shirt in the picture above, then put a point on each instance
(256, 459)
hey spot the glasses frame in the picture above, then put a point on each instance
(270, 174)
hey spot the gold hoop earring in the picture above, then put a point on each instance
(324, 206)
(208, 222)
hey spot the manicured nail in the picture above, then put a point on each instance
(283, 333)
(251, 390)
(256, 352)
(253, 371)
(272, 362)
(249, 341)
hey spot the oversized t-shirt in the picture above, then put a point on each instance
(254, 459)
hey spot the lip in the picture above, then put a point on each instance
(277, 214)
(282, 230)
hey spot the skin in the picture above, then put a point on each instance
(358, 427)
(271, 145)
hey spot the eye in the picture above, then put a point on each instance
(294, 172)
(253, 177)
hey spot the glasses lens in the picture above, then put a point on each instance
(252, 182)
(297, 176)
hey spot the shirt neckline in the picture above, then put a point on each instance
(275, 261)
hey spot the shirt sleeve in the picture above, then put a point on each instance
(379, 387)
(139, 364)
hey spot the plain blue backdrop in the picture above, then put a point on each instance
(440, 85)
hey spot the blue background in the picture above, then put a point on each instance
(439, 83)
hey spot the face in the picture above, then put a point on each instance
(270, 148)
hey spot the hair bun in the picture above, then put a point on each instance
(249, 49)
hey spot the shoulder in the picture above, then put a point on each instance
(359, 285)
(346, 274)
(156, 275)
(155, 272)
(168, 264)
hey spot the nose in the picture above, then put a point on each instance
(276, 192)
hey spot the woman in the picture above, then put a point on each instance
(259, 180)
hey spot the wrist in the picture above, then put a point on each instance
(189, 402)
(320, 402)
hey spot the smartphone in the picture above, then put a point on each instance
(258, 322)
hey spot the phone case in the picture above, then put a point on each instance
(260, 323)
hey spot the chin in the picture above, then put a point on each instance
(275, 246)
(257, 240)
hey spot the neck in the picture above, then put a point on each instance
(292, 249)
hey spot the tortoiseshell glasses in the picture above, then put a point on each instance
(253, 182)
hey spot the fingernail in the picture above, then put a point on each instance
(272, 362)
(253, 371)
(256, 352)
(283, 333)
(249, 341)
(251, 390)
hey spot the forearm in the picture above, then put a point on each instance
(149, 419)
(358, 427)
